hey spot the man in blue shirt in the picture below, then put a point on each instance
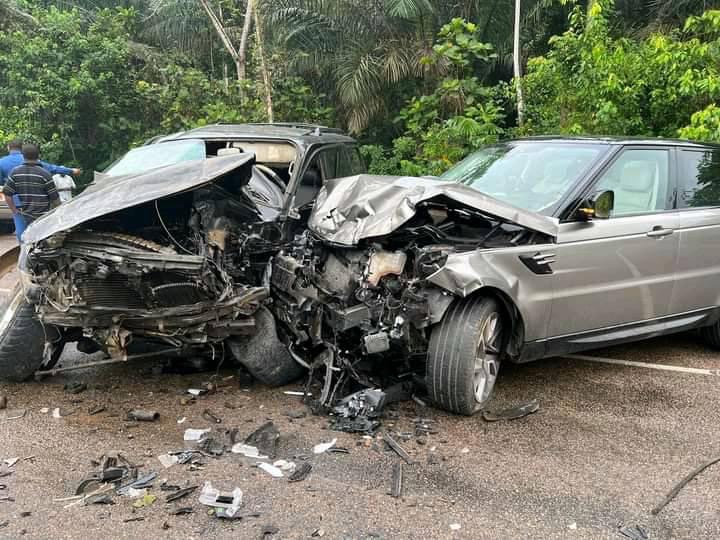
(15, 159)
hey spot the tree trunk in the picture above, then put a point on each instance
(242, 48)
(263, 67)
(517, 67)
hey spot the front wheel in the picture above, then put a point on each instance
(464, 355)
(22, 338)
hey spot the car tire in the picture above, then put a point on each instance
(22, 338)
(711, 335)
(264, 355)
(464, 355)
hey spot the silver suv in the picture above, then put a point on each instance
(525, 250)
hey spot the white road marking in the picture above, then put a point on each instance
(630, 363)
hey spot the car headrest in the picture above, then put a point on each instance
(228, 151)
(312, 178)
(637, 176)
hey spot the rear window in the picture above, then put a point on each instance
(699, 182)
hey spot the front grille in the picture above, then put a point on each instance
(112, 292)
(178, 294)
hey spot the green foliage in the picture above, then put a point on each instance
(592, 82)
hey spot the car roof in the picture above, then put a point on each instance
(305, 134)
(618, 141)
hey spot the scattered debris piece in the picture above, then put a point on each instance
(419, 401)
(512, 413)
(182, 420)
(265, 439)
(573, 526)
(134, 493)
(128, 520)
(167, 460)
(425, 426)
(144, 481)
(636, 532)
(197, 391)
(142, 415)
(284, 465)
(229, 501)
(75, 387)
(674, 491)
(180, 493)
(212, 446)
(397, 482)
(96, 410)
(99, 499)
(56, 412)
(269, 530)
(44, 410)
(338, 450)
(195, 434)
(296, 415)
(247, 451)
(358, 412)
(11, 462)
(323, 447)
(318, 533)
(181, 511)
(455, 526)
(465, 450)
(301, 472)
(296, 393)
(273, 471)
(15, 414)
(3, 402)
(208, 415)
(399, 450)
(4, 524)
(146, 500)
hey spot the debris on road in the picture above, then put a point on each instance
(212, 446)
(455, 526)
(226, 504)
(635, 532)
(208, 415)
(143, 415)
(512, 413)
(146, 500)
(247, 451)
(272, 470)
(296, 393)
(269, 530)
(323, 447)
(96, 410)
(181, 511)
(14, 414)
(56, 412)
(180, 493)
(674, 491)
(3, 402)
(301, 472)
(167, 460)
(397, 480)
(75, 387)
(195, 435)
(265, 439)
(399, 450)
(358, 412)
(197, 391)
(11, 462)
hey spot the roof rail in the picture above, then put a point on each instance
(312, 128)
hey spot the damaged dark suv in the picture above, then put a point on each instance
(166, 253)
(527, 249)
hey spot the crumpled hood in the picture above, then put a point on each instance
(114, 193)
(350, 209)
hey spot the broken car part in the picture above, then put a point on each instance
(397, 480)
(265, 439)
(180, 493)
(142, 415)
(301, 472)
(512, 413)
(399, 450)
(675, 490)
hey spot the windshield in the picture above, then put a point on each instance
(153, 156)
(530, 175)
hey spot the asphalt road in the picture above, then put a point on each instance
(606, 445)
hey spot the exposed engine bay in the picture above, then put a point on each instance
(183, 271)
(365, 312)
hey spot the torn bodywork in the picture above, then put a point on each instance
(169, 257)
(360, 293)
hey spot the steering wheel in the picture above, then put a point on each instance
(272, 175)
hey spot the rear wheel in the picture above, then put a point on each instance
(464, 355)
(22, 338)
(264, 355)
(711, 335)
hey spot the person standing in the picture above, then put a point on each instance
(15, 158)
(34, 187)
(64, 185)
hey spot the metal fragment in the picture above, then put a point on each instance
(397, 480)
(674, 491)
(301, 472)
(179, 494)
(399, 450)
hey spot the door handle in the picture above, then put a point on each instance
(659, 232)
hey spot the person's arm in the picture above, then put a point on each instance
(51, 191)
(8, 191)
(59, 169)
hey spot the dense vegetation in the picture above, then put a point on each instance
(421, 83)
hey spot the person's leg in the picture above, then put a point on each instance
(20, 226)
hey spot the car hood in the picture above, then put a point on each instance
(350, 209)
(113, 193)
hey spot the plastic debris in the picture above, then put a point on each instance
(56, 412)
(273, 471)
(180, 493)
(142, 415)
(15, 414)
(195, 434)
(301, 472)
(96, 410)
(247, 451)
(11, 462)
(358, 412)
(146, 500)
(75, 387)
(323, 447)
(182, 420)
(397, 481)
(265, 439)
(3, 402)
(573, 526)
(228, 501)
(197, 391)
(134, 493)
(44, 410)
(296, 393)
(212, 446)
(208, 415)
(636, 532)
(512, 413)
(399, 450)
(455, 526)
(181, 511)
(284, 465)
(167, 460)
(269, 530)
(318, 533)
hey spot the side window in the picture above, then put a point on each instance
(699, 182)
(357, 164)
(639, 179)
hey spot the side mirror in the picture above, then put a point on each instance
(599, 206)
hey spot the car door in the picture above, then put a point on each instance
(616, 271)
(697, 281)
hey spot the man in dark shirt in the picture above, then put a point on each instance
(34, 187)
